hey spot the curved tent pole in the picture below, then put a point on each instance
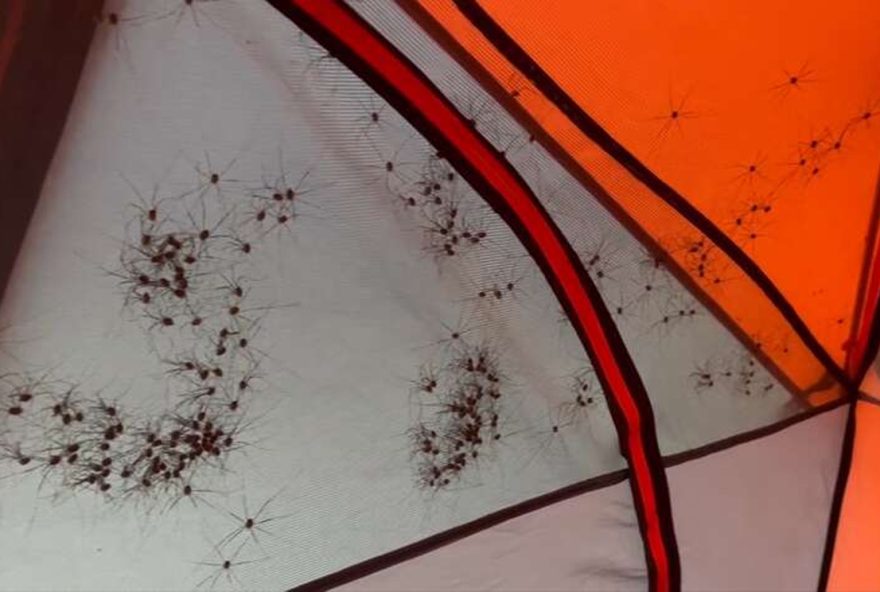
(351, 40)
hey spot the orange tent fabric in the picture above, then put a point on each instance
(752, 130)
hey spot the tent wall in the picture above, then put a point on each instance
(594, 112)
(754, 517)
(590, 542)
(363, 303)
(855, 566)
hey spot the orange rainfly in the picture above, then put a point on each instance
(855, 566)
(761, 119)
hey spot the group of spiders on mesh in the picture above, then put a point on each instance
(760, 180)
(461, 392)
(182, 274)
(459, 406)
(738, 373)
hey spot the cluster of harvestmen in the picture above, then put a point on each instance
(451, 223)
(180, 275)
(462, 398)
(643, 288)
(738, 374)
(459, 393)
(185, 254)
(654, 287)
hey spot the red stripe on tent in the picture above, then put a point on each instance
(351, 40)
(860, 354)
(866, 333)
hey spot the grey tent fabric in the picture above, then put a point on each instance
(754, 517)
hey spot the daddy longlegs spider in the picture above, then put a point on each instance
(710, 375)
(747, 222)
(115, 22)
(868, 112)
(25, 462)
(211, 179)
(794, 80)
(24, 391)
(239, 244)
(449, 231)
(598, 260)
(816, 146)
(427, 384)
(583, 396)
(224, 567)
(397, 178)
(676, 113)
(454, 336)
(700, 258)
(480, 114)
(373, 117)
(619, 306)
(550, 438)
(677, 309)
(751, 173)
(191, 494)
(499, 287)
(67, 407)
(279, 203)
(232, 288)
(202, 232)
(151, 213)
(180, 9)
(649, 260)
(252, 523)
(801, 163)
(646, 288)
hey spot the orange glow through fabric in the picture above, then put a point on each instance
(769, 135)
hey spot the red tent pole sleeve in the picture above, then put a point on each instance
(866, 330)
(356, 44)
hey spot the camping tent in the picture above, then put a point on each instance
(439, 294)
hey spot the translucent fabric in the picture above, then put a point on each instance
(703, 384)
(260, 331)
(262, 334)
(696, 122)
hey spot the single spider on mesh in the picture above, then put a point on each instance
(178, 11)
(676, 113)
(224, 566)
(584, 395)
(794, 81)
(503, 285)
(374, 117)
(251, 523)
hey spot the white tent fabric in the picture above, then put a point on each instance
(546, 549)
(754, 517)
(740, 514)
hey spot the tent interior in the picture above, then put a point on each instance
(439, 295)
